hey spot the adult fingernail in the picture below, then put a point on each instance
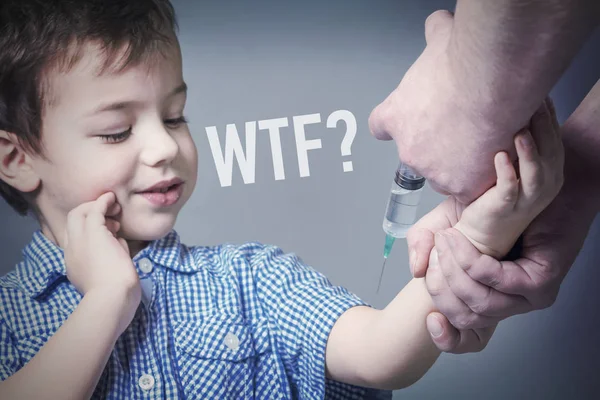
(434, 327)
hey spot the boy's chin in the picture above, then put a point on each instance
(147, 230)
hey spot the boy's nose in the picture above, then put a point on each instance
(159, 147)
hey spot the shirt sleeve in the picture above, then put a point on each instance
(9, 357)
(304, 306)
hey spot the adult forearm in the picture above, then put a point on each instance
(581, 136)
(70, 364)
(508, 54)
(568, 218)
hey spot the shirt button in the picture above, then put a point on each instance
(145, 265)
(232, 341)
(146, 382)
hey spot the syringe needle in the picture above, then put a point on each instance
(381, 276)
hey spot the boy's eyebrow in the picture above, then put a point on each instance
(124, 104)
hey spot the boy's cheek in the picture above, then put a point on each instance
(189, 152)
(92, 187)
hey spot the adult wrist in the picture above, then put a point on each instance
(507, 55)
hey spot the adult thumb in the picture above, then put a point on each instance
(420, 237)
(420, 241)
(438, 24)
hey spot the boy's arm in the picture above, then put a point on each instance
(385, 349)
(70, 364)
(98, 264)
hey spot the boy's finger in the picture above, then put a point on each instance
(113, 226)
(113, 210)
(123, 244)
(507, 184)
(103, 202)
(96, 216)
(84, 209)
(530, 166)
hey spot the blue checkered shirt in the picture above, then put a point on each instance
(218, 322)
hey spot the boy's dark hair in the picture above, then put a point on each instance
(38, 36)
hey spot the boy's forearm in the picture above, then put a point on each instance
(515, 49)
(70, 364)
(401, 339)
(384, 349)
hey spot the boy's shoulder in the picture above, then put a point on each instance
(11, 278)
(253, 254)
(23, 306)
(23, 278)
(43, 263)
(11, 285)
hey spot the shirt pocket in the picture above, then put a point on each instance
(218, 357)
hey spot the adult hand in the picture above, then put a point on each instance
(549, 247)
(435, 121)
(425, 262)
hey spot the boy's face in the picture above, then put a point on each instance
(139, 107)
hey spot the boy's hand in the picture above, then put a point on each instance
(495, 220)
(96, 260)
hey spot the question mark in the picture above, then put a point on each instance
(350, 121)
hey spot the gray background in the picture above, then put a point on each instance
(249, 61)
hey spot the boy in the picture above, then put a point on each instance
(108, 303)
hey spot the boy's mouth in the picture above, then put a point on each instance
(163, 190)
(163, 186)
(164, 193)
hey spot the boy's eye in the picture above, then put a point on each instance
(117, 137)
(175, 122)
(120, 137)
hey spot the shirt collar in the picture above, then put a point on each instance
(170, 253)
(43, 264)
(44, 261)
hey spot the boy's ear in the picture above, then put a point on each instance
(16, 166)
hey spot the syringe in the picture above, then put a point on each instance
(401, 210)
